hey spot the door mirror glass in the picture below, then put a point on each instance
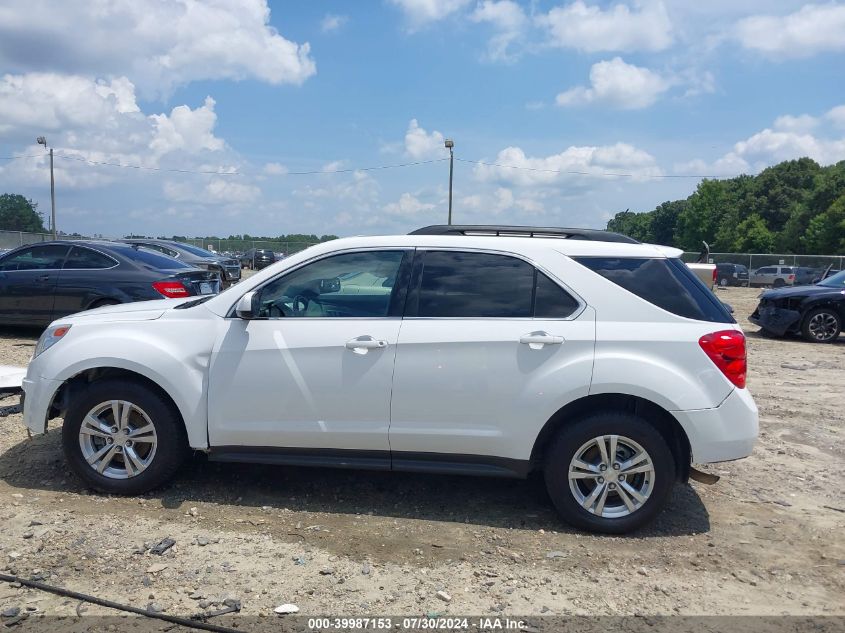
(247, 307)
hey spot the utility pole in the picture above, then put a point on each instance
(450, 145)
(43, 141)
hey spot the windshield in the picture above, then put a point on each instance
(834, 281)
(195, 250)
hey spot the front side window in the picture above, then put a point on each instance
(48, 257)
(85, 258)
(349, 285)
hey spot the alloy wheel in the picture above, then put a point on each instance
(118, 439)
(611, 476)
(823, 326)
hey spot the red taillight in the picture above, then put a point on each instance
(715, 275)
(792, 278)
(171, 289)
(727, 351)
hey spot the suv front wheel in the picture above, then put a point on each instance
(123, 437)
(609, 472)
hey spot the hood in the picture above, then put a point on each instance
(136, 311)
(800, 291)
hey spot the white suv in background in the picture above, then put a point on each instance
(601, 361)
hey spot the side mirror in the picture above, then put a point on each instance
(248, 307)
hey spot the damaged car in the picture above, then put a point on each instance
(815, 312)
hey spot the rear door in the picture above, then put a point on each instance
(28, 281)
(490, 348)
(82, 280)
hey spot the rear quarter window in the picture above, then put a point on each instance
(666, 283)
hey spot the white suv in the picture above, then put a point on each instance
(601, 361)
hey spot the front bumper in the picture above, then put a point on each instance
(724, 433)
(37, 397)
(775, 320)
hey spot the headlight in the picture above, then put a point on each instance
(51, 336)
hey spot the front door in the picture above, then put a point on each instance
(28, 281)
(315, 368)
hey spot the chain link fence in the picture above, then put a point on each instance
(753, 261)
(13, 239)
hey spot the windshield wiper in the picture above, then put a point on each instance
(192, 303)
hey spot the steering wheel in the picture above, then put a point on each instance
(300, 305)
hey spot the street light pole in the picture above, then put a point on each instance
(450, 145)
(43, 141)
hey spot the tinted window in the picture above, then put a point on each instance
(161, 249)
(36, 258)
(80, 257)
(666, 283)
(786, 270)
(151, 259)
(474, 285)
(348, 285)
(551, 301)
(766, 271)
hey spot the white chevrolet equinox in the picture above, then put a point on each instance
(598, 360)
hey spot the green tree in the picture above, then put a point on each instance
(826, 231)
(19, 214)
(753, 236)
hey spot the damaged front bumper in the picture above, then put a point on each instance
(774, 319)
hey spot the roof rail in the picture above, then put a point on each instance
(524, 231)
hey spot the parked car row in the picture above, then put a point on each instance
(46, 281)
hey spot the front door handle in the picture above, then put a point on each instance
(536, 340)
(42, 278)
(362, 344)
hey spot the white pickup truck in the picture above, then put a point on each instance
(705, 271)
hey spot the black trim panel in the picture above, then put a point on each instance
(439, 463)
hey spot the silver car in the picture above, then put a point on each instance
(774, 276)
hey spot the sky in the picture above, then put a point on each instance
(228, 117)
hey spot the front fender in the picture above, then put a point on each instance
(180, 370)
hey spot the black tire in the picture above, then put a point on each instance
(829, 314)
(171, 447)
(573, 436)
(778, 283)
(723, 282)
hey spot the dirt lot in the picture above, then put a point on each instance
(767, 539)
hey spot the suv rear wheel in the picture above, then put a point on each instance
(123, 437)
(609, 472)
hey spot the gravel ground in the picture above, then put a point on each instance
(766, 540)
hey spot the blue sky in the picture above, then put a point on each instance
(553, 95)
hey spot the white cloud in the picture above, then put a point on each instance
(837, 116)
(617, 84)
(408, 206)
(216, 190)
(619, 28)
(158, 45)
(508, 19)
(332, 22)
(789, 123)
(574, 163)
(789, 138)
(186, 129)
(422, 12)
(274, 169)
(814, 28)
(422, 145)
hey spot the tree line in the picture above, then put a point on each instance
(794, 207)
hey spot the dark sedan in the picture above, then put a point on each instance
(816, 312)
(258, 258)
(43, 282)
(228, 267)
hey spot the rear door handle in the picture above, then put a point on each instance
(536, 340)
(362, 344)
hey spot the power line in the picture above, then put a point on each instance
(350, 169)
(580, 173)
(23, 156)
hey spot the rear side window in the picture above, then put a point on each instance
(666, 283)
(481, 285)
(85, 258)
